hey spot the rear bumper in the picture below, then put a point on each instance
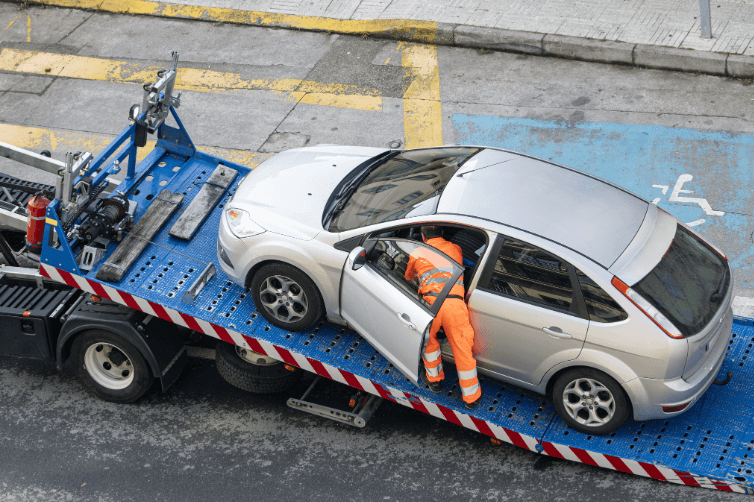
(650, 395)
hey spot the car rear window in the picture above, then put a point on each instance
(688, 285)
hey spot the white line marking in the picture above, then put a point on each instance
(674, 196)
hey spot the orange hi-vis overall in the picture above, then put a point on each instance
(453, 316)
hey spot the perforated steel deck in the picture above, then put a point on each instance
(713, 441)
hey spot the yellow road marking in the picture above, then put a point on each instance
(10, 24)
(191, 79)
(36, 138)
(28, 28)
(420, 31)
(422, 113)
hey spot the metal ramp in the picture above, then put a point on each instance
(709, 446)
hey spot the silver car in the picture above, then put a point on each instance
(576, 288)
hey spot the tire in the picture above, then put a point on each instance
(601, 414)
(110, 367)
(286, 297)
(263, 376)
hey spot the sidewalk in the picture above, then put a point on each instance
(652, 33)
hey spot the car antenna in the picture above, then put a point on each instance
(483, 167)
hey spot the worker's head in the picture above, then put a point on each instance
(430, 232)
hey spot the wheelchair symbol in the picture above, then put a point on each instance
(676, 197)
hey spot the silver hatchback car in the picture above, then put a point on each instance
(576, 288)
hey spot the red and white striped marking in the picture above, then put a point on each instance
(418, 403)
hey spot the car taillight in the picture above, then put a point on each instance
(660, 320)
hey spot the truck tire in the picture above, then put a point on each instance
(590, 401)
(110, 367)
(254, 372)
(286, 297)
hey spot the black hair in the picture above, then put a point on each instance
(430, 232)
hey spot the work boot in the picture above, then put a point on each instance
(472, 405)
(435, 387)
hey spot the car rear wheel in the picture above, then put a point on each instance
(590, 401)
(286, 297)
(253, 372)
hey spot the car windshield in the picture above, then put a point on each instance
(688, 285)
(407, 184)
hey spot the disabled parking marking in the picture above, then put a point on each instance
(705, 177)
(675, 197)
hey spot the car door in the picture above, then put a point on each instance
(526, 313)
(384, 306)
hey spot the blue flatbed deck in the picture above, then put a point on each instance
(711, 446)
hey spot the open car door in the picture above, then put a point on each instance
(384, 306)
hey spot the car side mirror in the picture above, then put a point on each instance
(357, 258)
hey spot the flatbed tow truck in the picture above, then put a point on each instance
(159, 286)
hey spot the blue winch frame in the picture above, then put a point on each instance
(714, 440)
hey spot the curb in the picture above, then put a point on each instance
(456, 35)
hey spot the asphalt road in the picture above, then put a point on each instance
(257, 91)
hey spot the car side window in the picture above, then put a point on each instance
(392, 261)
(391, 258)
(599, 304)
(532, 274)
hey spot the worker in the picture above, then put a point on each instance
(453, 316)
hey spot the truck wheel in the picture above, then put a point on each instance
(286, 297)
(590, 401)
(254, 372)
(109, 367)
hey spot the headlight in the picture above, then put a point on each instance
(240, 223)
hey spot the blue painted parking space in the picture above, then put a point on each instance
(704, 178)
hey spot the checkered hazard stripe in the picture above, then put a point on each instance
(416, 402)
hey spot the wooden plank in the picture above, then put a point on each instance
(128, 251)
(213, 189)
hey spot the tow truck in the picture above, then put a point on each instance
(126, 274)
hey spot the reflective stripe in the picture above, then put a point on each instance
(442, 280)
(467, 375)
(438, 270)
(432, 356)
(435, 372)
(470, 391)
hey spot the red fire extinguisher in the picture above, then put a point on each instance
(35, 226)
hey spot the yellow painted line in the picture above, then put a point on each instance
(28, 28)
(422, 113)
(190, 79)
(52, 222)
(419, 31)
(36, 138)
(10, 24)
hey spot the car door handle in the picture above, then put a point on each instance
(405, 319)
(556, 334)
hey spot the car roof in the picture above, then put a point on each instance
(579, 211)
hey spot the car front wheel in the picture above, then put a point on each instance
(590, 401)
(286, 297)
